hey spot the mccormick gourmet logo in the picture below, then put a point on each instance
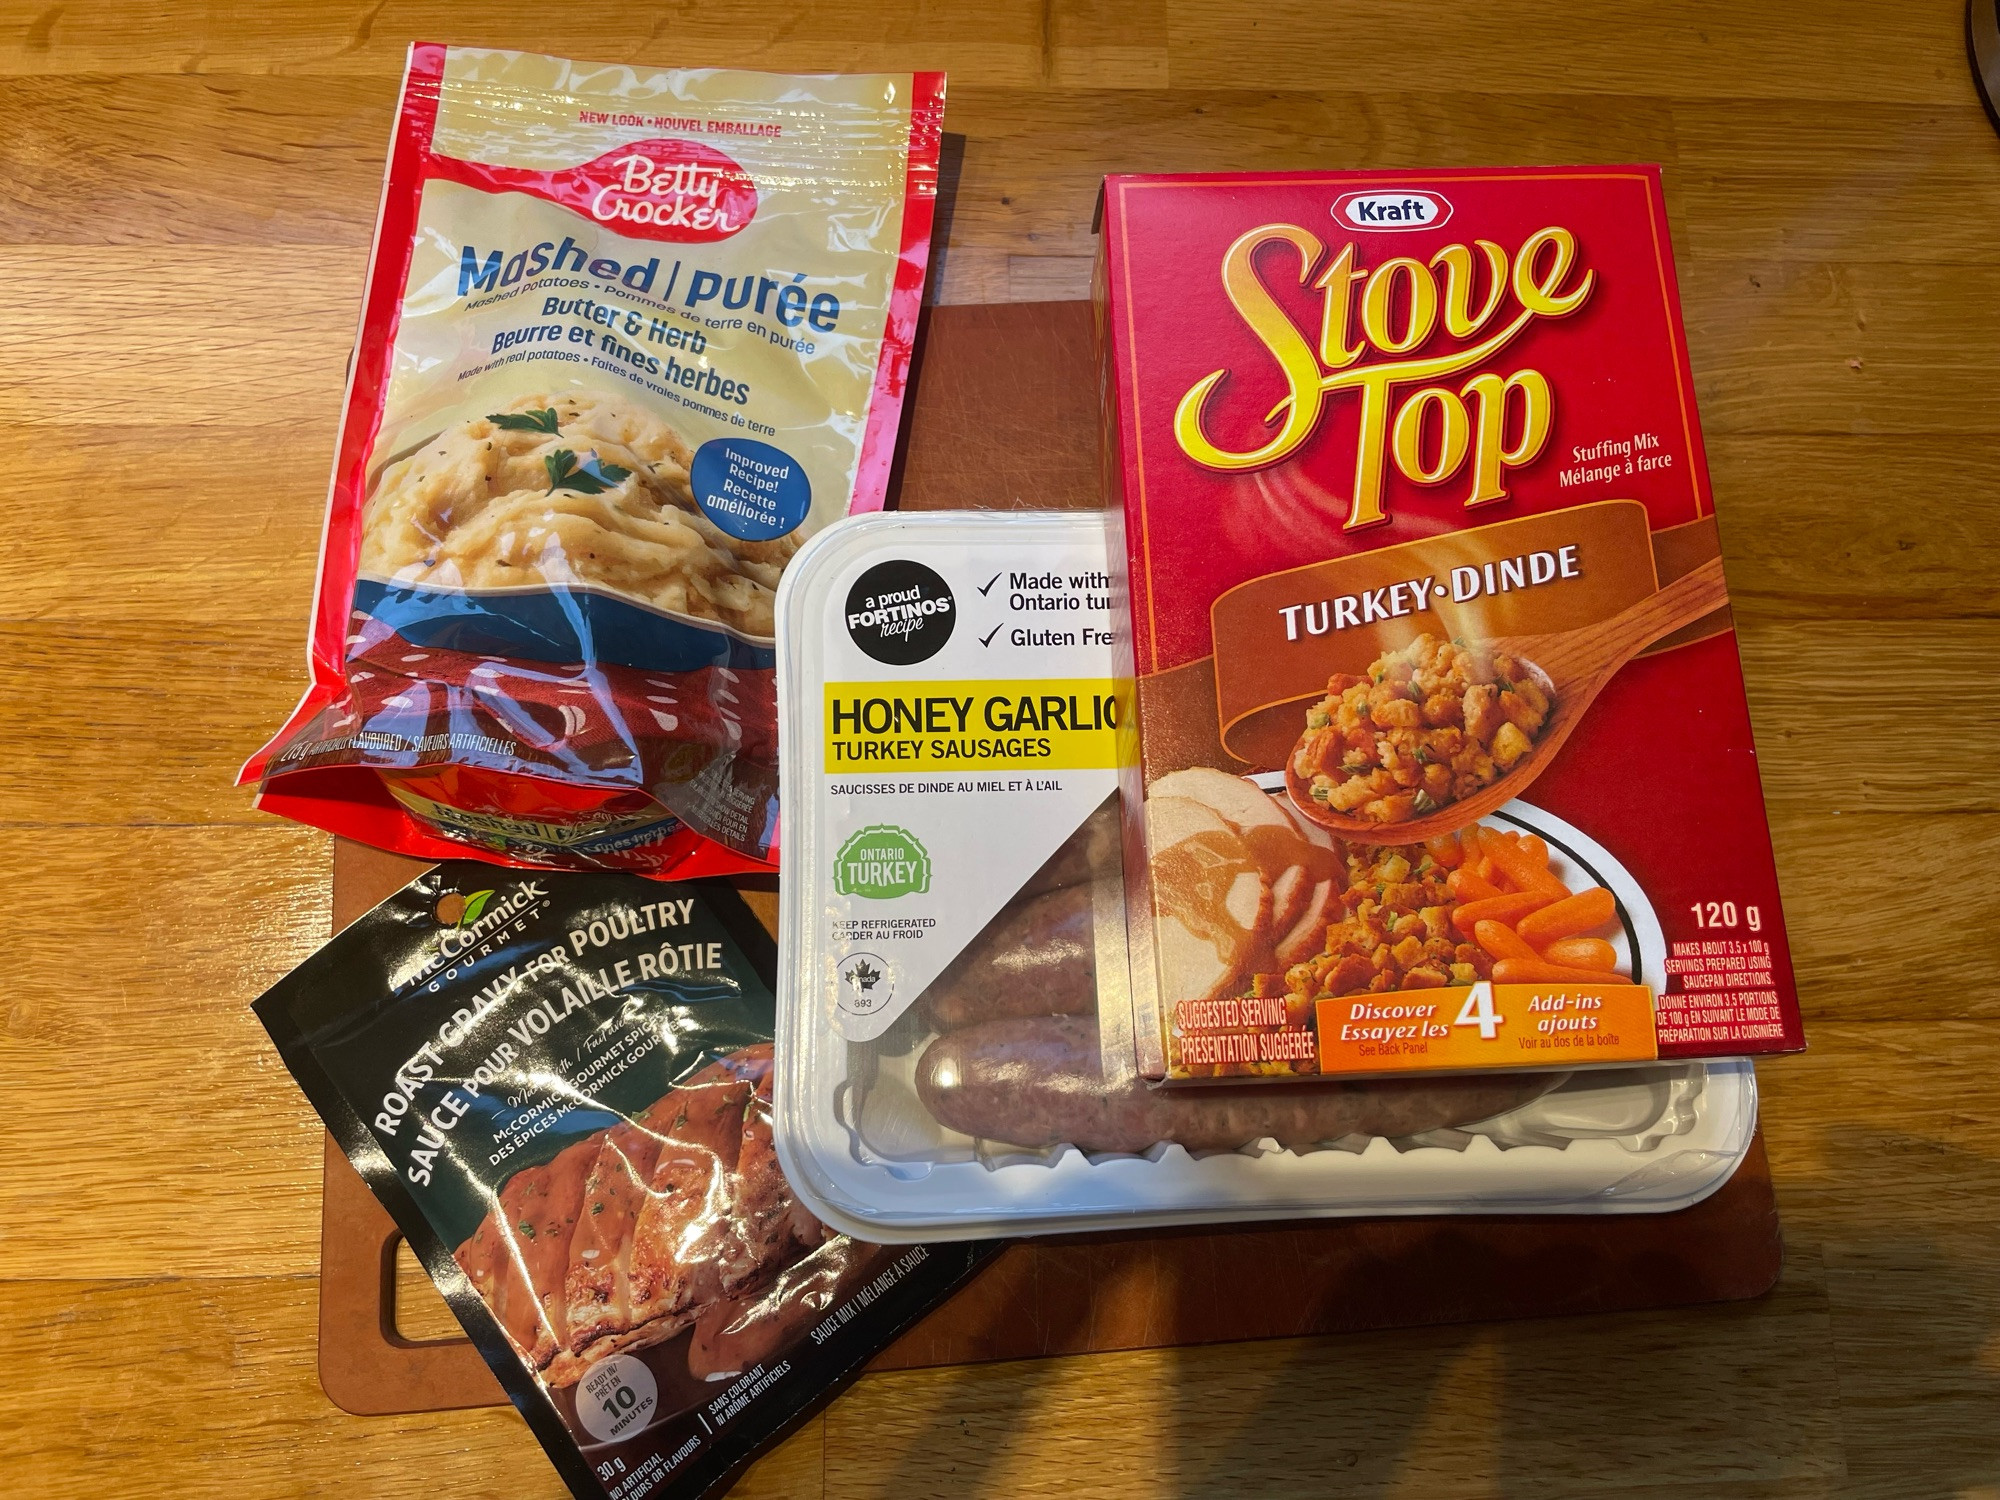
(1407, 341)
(659, 189)
(466, 921)
(1391, 210)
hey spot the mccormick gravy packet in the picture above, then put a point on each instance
(560, 1087)
(629, 338)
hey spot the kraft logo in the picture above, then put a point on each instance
(1396, 209)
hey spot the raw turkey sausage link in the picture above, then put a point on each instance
(1036, 958)
(1038, 1082)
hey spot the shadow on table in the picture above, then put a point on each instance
(1873, 1369)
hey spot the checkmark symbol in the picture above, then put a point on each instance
(987, 639)
(987, 586)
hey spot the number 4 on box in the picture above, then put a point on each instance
(1478, 1011)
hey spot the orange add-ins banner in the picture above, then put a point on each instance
(1488, 1026)
(1278, 638)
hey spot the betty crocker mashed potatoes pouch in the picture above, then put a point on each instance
(629, 338)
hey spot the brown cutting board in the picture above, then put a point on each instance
(1004, 416)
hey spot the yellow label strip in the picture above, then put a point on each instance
(1054, 724)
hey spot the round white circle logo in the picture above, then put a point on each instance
(867, 984)
(616, 1398)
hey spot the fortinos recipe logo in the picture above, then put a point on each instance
(901, 612)
(1383, 329)
(659, 189)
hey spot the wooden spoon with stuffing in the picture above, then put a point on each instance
(1572, 666)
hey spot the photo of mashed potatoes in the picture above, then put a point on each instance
(572, 489)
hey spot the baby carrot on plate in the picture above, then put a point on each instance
(1566, 918)
(1501, 941)
(1466, 884)
(1519, 866)
(1578, 953)
(1499, 909)
(1446, 850)
(1536, 971)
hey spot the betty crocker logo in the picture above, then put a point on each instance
(659, 189)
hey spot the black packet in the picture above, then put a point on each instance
(558, 1085)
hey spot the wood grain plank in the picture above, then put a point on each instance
(1431, 1412)
(205, 159)
(1008, 43)
(135, 957)
(1783, 180)
(154, 723)
(1842, 752)
(1755, 49)
(226, 1366)
(1916, 1367)
(1033, 165)
(1837, 527)
(297, 160)
(155, 528)
(1602, 47)
(196, 1358)
(196, 336)
(1863, 908)
(1827, 347)
(1900, 1185)
(1916, 1148)
(1095, 44)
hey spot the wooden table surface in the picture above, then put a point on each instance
(189, 193)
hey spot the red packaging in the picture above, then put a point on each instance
(1443, 759)
(629, 338)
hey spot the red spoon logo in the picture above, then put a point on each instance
(659, 189)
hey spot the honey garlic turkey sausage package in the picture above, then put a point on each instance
(559, 1085)
(1419, 552)
(956, 1043)
(629, 337)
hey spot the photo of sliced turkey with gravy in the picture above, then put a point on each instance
(630, 1235)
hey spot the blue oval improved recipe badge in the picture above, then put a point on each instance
(751, 490)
